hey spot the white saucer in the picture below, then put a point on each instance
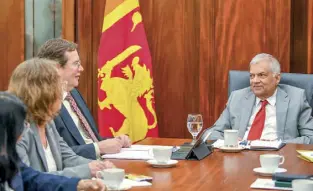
(122, 187)
(261, 171)
(169, 163)
(232, 149)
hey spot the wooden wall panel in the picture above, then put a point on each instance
(193, 46)
(240, 32)
(98, 13)
(310, 37)
(68, 20)
(84, 36)
(11, 38)
(302, 36)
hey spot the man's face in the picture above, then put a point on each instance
(263, 81)
(70, 72)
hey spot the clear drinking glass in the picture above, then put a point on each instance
(194, 125)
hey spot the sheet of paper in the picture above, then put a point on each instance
(136, 183)
(135, 152)
(218, 143)
(266, 184)
(134, 155)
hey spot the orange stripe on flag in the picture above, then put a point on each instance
(117, 9)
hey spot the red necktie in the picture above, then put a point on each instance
(258, 123)
(81, 118)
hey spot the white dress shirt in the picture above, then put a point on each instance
(82, 132)
(50, 159)
(270, 125)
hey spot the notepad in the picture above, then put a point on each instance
(306, 155)
(266, 145)
(255, 145)
(267, 184)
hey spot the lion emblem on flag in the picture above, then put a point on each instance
(123, 93)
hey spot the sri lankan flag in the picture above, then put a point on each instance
(125, 83)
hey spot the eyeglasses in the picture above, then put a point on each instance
(76, 64)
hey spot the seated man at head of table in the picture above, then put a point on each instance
(267, 110)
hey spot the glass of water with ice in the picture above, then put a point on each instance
(194, 125)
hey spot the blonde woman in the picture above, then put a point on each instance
(37, 83)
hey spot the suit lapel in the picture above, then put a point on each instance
(70, 125)
(246, 111)
(39, 146)
(54, 148)
(85, 111)
(282, 103)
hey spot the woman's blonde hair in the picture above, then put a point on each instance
(38, 84)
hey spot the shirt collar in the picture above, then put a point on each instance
(64, 95)
(271, 100)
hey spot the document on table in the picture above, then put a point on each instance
(254, 145)
(133, 183)
(266, 184)
(306, 155)
(135, 152)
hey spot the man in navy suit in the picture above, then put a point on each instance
(75, 122)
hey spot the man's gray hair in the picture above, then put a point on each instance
(275, 66)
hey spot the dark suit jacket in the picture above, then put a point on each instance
(29, 179)
(68, 130)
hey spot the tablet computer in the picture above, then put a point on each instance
(185, 149)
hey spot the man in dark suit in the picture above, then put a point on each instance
(75, 122)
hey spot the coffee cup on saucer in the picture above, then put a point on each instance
(230, 138)
(162, 154)
(112, 177)
(271, 162)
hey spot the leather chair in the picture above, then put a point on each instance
(240, 79)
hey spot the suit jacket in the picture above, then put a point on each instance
(29, 179)
(68, 130)
(293, 115)
(68, 163)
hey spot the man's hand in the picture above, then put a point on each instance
(110, 146)
(91, 185)
(125, 140)
(96, 166)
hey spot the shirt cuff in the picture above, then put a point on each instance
(98, 154)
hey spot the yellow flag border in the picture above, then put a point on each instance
(119, 12)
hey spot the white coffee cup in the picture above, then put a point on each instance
(231, 138)
(162, 154)
(270, 162)
(302, 185)
(112, 177)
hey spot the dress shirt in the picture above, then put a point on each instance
(82, 132)
(270, 125)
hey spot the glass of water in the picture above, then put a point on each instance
(194, 125)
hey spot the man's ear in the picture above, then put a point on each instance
(277, 78)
